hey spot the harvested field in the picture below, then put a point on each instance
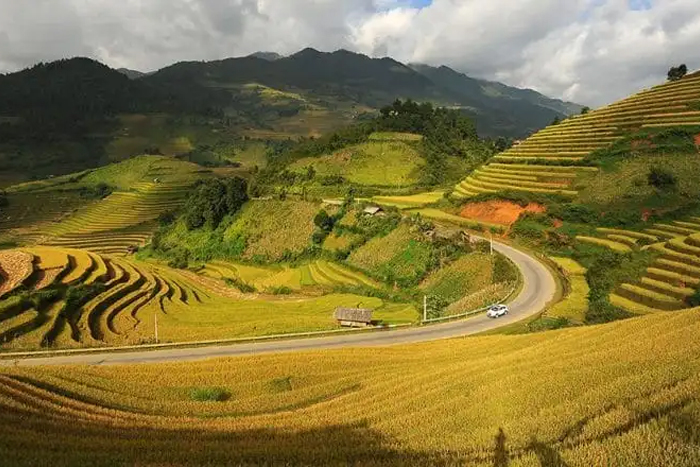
(15, 267)
(498, 212)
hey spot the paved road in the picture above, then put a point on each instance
(538, 289)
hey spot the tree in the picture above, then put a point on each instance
(585, 110)
(501, 144)
(556, 120)
(676, 73)
(323, 221)
(310, 172)
(213, 199)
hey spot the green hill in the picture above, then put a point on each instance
(561, 159)
(620, 180)
(380, 162)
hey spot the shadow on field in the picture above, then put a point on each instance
(34, 440)
(500, 457)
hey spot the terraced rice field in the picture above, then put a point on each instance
(521, 167)
(410, 201)
(76, 298)
(115, 292)
(28, 213)
(125, 218)
(383, 162)
(575, 305)
(622, 394)
(320, 273)
(672, 278)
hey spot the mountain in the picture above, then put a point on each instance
(61, 117)
(269, 56)
(131, 74)
(499, 110)
(497, 107)
(339, 75)
(69, 110)
(78, 89)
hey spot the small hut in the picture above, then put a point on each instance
(353, 317)
(373, 211)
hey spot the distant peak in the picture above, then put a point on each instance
(269, 56)
(309, 51)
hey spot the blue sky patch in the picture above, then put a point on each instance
(640, 4)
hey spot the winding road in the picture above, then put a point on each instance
(538, 289)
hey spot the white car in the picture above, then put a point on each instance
(497, 311)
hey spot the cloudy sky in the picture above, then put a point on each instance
(589, 51)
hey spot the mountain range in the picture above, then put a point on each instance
(499, 110)
(327, 79)
(61, 116)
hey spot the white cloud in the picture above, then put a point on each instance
(590, 51)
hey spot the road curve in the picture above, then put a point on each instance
(538, 289)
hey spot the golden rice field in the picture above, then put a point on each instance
(379, 162)
(116, 301)
(317, 274)
(622, 394)
(528, 167)
(574, 306)
(672, 277)
(337, 242)
(52, 211)
(466, 276)
(410, 201)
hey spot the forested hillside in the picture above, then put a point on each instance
(65, 116)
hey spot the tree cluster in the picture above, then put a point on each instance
(677, 72)
(213, 199)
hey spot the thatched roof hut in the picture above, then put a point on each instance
(354, 317)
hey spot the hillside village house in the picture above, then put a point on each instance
(353, 317)
(373, 211)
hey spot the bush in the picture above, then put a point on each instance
(661, 179)
(694, 300)
(166, 218)
(209, 394)
(529, 229)
(319, 236)
(606, 271)
(323, 221)
(578, 213)
(280, 290)
(243, 287)
(180, 259)
(602, 311)
(99, 191)
(503, 270)
(548, 323)
(39, 299)
(331, 180)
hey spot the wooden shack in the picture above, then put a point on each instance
(353, 317)
(373, 211)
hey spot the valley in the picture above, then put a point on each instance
(243, 263)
